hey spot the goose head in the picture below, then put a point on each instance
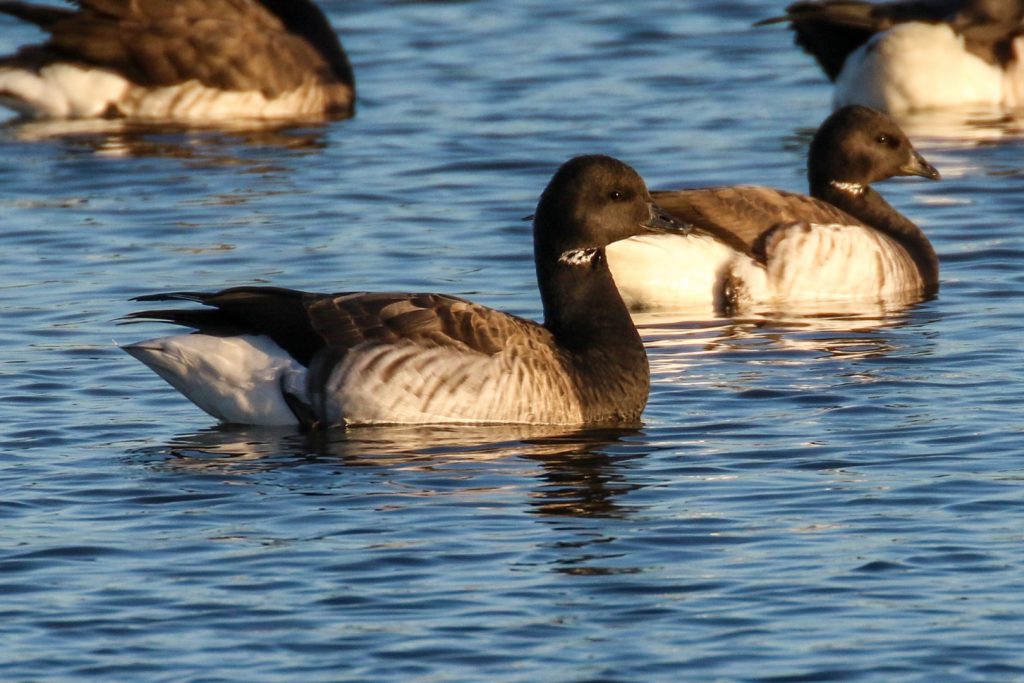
(857, 146)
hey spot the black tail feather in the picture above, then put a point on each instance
(198, 297)
(278, 313)
(205, 320)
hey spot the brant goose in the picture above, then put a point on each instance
(187, 60)
(263, 355)
(843, 243)
(915, 54)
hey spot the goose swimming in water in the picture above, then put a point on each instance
(912, 55)
(187, 60)
(263, 355)
(757, 245)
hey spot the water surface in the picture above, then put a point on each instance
(824, 499)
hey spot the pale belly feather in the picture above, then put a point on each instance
(668, 270)
(409, 384)
(826, 263)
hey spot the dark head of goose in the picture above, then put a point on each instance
(857, 146)
(590, 202)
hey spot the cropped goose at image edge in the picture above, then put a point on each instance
(913, 55)
(187, 60)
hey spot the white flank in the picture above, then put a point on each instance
(1013, 78)
(405, 383)
(669, 271)
(810, 263)
(235, 379)
(61, 91)
(194, 101)
(66, 91)
(917, 66)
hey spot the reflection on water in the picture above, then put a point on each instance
(853, 332)
(578, 472)
(223, 144)
(964, 127)
(587, 483)
(263, 448)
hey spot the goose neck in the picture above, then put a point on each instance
(582, 306)
(869, 207)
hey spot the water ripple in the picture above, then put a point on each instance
(824, 497)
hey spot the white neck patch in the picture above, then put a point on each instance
(852, 188)
(578, 257)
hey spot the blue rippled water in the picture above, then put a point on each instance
(832, 499)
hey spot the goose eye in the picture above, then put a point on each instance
(889, 140)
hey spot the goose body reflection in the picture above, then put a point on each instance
(190, 60)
